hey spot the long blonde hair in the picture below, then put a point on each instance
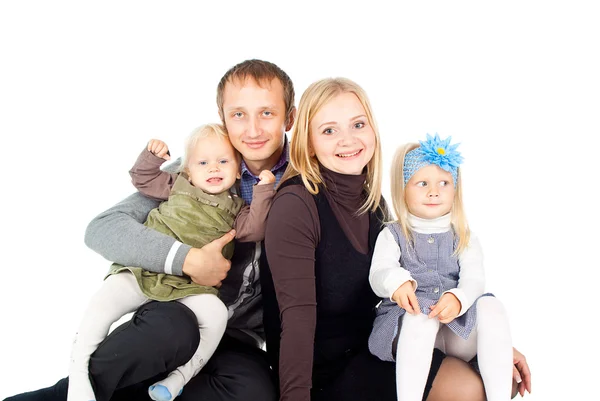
(459, 218)
(302, 163)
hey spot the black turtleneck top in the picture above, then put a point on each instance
(292, 237)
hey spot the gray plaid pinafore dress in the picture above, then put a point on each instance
(435, 269)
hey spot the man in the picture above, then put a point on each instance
(256, 104)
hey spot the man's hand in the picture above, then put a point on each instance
(446, 309)
(405, 297)
(266, 177)
(159, 148)
(206, 265)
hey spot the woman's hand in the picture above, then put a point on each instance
(521, 372)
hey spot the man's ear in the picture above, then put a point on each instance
(290, 120)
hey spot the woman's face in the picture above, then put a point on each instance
(341, 137)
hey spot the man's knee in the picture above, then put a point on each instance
(158, 331)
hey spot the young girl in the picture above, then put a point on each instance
(429, 264)
(199, 209)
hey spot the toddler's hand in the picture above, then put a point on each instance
(266, 177)
(159, 148)
(405, 297)
(446, 309)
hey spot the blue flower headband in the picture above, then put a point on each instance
(433, 151)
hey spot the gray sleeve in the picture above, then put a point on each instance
(119, 235)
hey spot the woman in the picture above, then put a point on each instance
(319, 241)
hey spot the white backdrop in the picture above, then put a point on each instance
(84, 85)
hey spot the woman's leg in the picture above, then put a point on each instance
(211, 315)
(456, 380)
(118, 295)
(368, 378)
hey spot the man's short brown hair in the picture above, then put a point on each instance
(261, 71)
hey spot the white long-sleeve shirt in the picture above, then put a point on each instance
(386, 274)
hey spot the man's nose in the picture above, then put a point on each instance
(253, 130)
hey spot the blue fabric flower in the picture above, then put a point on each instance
(433, 151)
(440, 152)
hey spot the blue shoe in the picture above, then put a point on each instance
(160, 393)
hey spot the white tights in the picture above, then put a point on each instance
(119, 295)
(490, 340)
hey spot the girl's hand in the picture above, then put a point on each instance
(266, 177)
(159, 148)
(446, 309)
(405, 297)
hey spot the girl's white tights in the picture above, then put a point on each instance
(119, 295)
(490, 340)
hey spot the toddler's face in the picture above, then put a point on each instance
(213, 165)
(430, 192)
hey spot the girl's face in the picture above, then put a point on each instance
(341, 137)
(213, 165)
(430, 192)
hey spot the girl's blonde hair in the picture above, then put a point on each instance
(302, 163)
(459, 219)
(199, 133)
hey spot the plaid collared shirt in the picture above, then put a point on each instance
(249, 180)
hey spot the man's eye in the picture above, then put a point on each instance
(238, 114)
(267, 113)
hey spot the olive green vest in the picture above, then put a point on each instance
(194, 218)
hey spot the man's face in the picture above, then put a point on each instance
(255, 120)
